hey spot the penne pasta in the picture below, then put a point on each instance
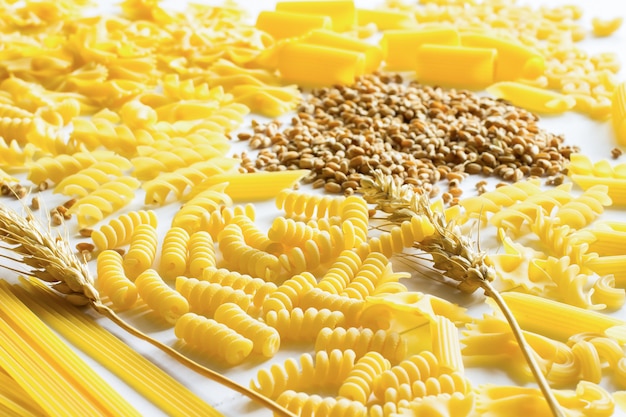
(400, 46)
(554, 319)
(323, 37)
(385, 19)
(531, 98)
(446, 345)
(283, 24)
(455, 66)
(515, 60)
(610, 265)
(342, 13)
(318, 66)
(618, 113)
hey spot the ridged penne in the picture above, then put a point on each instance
(455, 66)
(284, 24)
(531, 98)
(342, 13)
(385, 19)
(400, 46)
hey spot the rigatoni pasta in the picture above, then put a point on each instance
(285, 24)
(400, 46)
(373, 53)
(341, 12)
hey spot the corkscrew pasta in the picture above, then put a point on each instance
(257, 288)
(118, 231)
(214, 338)
(341, 272)
(314, 405)
(112, 282)
(390, 344)
(265, 339)
(359, 383)
(289, 293)
(303, 325)
(174, 253)
(205, 297)
(295, 204)
(201, 253)
(142, 250)
(350, 307)
(168, 304)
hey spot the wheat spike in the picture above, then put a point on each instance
(51, 260)
(454, 254)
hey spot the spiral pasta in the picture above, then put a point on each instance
(245, 258)
(88, 179)
(390, 344)
(289, 293)
(168, 304)
(308, 205)
(350, 307)
(174, 253)
(265, 339)
(373, 274)
(341, 272)
(257, 288)
(253, 236)
(201, 253)
(303, 325)
(289, 232)
(417, 367)
(119, 231)
(205, 297)
(112, 282)
(306, 405)
(359, 383)
(142, 250)
(584, 209)
(354, 209)
(214, 338)
(193, 213)
(327, 370)
(215, 222)
(104, 201)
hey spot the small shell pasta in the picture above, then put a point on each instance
(168, 303)
(265, 339)
(142, 250)
(214, 338)
(112, 282)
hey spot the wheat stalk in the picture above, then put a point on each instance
(453, 253)
(51, 259)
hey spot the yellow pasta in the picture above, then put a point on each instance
(602, 27)
(400, 46)
(373, 53)
(445, 344)
(514, 60)
(15, 401)
(112, 281)
(165, 301)
(554, 319)
(531, 98)
(341, 12)
(384, 19)
(319, 66)
(618, 113)
(22, 330)
(285, 24)
(455, 66)
(254, 186)
(111, 352)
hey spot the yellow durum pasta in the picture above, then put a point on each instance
(455, 66)
(323, 37)
(400, 46)
(317, 65)
(385, 19)
(531, 98)
(341, 12)
(281, 25)
(618, 113)
(515, 60)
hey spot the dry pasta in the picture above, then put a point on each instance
(618, 113)
(265, 339)
(314, 405)
(384, 20)
(287, 24)
(390, 344)
(205, 297)
(289, 293)
(341, 12)
(417, 367)
(294, 204)
(359, 383)
(303, 325)
(201, 253)
(174, 253)
(258, 288)
(532, 98)
(373, 53)
(455, 66)
(214, 338)
(112, 281)
(142, 250)
(400, 46)
(168, 304)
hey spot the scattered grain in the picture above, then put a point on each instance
(616, 153)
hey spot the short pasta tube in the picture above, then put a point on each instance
(618, 113)
(284, 24)
(373, 53)
(317, 65)
(531, 98)
(385, 19)
(400, 46)
(342, 13)
(455, 66)
(515, 60)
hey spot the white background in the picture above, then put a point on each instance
(596, 139)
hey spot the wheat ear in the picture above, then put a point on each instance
(454, 254)
(51, 260)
